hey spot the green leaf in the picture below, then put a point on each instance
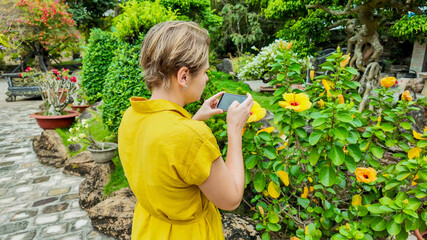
(259, 182)
(403, 235)
(336, 154)
(387, 127)
(386, 201)
(273, 217)
(405, 125)
(375, 208)
(327, 176)
(301, 132)
(377, 151)
(319, 121)
(378, 224)
(351, 70)
(314, 156)
(422, 144)
(259, 227)
(304, 202)
(362, 211)
(274, 226)
(270, 152)
(350, 163)
(341, 133)
(265, 236)
(355, 152)
(353, 136)
(398, 218)
(391, 184)
(344, 117)
(393, 228)
(315, 137)
(265, 136)
(251, 161)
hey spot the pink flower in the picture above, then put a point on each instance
(66, 77)
(58, 78)
(73, 79)
(20, 75)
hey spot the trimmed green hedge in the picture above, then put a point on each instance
(123, 81)
(97, 59)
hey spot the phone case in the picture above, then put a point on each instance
(227, 99)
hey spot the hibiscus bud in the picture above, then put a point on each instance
(289, 46)
(340, 99)
(311, 74)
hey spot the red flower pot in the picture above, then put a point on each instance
(79, 108)
(52, 122)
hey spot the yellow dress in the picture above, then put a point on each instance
(166, 155)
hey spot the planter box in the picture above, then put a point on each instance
(18, 86)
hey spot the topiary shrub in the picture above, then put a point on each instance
(123, 81)
(97, 59)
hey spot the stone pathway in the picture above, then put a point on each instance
(36, 201)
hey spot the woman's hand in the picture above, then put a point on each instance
(238, 114)
(208, 109)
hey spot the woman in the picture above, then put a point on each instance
(172, 160)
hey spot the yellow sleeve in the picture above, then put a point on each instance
(204, 152)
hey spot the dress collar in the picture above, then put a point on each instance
(143, 105)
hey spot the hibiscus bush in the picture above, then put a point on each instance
(329, 171)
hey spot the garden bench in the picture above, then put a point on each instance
(18, 86)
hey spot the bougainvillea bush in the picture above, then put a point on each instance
(329, 171)
(43, 26)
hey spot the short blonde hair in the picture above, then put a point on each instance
(168, 46)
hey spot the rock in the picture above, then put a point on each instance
(92, 188)
(79, 165)
(420, 119)
(226, 66)
(266, 120)
(75, 147)
(236, 227)
(49, 148)
(114, 215)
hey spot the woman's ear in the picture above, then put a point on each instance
(183, 75)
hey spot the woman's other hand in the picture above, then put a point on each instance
(209, 108)
(238, 114)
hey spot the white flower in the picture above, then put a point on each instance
(82, 135)
(84, 121)
(77, 129)
(69, 140)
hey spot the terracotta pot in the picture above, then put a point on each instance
(79, 109)
(103, 156)
(52, 122)
(420, 236)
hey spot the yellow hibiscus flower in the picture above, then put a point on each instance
(366, 175)
(269, 130)
(414, 152)
(297, 102)
(257, 113)
(294, 238)
(418, 135)
(388, 81)
(321, 103)
(406, 96)
(345, 61)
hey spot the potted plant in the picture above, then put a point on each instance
(80, 98)
(102, 152)
(55, 88)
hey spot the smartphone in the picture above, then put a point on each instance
(227, 99)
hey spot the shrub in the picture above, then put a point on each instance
(139, 16)
(123, 81)
(99, 53)
(337, 173)
(259, 66)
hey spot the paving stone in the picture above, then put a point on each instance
(19, 182)
(23, 170)
(27, 165)
(44, 201)
(11, 155)
(58, 191)
(75, 236)
(15, 208)
(74, 214)
(13, 227)
(69, 197)
(54, 230)
(4, 180)
(24, 189)
(4, 218)
(41, 179)
(3, 192)
(2, 164)
(4, 201)
(79, 224)
(8, 168)
(44, 219)
(55, 208)
(23, 236)
(23, 215)
(75, 204)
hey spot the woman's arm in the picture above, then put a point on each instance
(225, 184)
(208, 109)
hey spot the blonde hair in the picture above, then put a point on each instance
(168, 46)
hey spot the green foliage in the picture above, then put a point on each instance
(99, 53)
(123, 81)
(118, 179)
(412, 28)
(90, 13)
(139, 16)
(314, 181)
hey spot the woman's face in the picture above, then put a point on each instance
(197, 84)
